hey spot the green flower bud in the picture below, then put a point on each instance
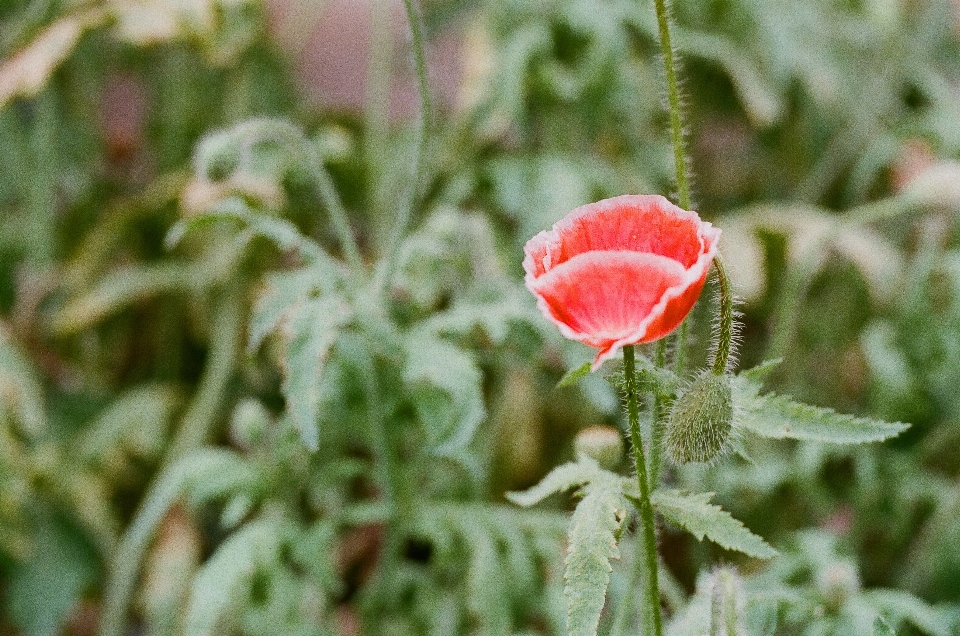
(603, 444)
(700, 421)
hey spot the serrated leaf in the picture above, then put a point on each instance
(591, 544)
(778, 417)
(281, 232)
(762, 370)
(882, 627)
(695, 514)
(446, 388)
(282, 292)
(560, 479)
(223, 582)
(570, 377)
(309, 334)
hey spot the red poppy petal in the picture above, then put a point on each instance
(635, 223)
(600, 298)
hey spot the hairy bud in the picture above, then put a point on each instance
(602, 444)
(700, 421)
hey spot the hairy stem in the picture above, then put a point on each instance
(194, 430)
(673, 98)
(660, 410)
(725, 320)
(644, 507)
(679, 149)
(405, 212)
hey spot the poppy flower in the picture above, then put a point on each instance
(621, 271)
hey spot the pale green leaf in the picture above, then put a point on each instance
(901, 605)
(445, 385)
(560, 479)
(222, 585)
(135, 423)
(21, 392)
(281, 232)
(695, 514)
(221, 473)
(778, 417)
(591, 544)
(882, 628)
(309, 335)
(281, 293)
(570, 377)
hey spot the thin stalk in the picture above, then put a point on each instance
(673, 98)
(659, 429)
(405, 212)
(644, 506)
(194, 430)
(679, 149)
(725, 321)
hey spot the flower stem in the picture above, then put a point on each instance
(406, 207)
(659, 428)
(644, 507)
(724, 321)
(673, 98)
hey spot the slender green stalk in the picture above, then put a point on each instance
(644, 506)
(405, 212)
(725, 321)
(660, 410)
(194, 430)
(673, 98)
(679, 149)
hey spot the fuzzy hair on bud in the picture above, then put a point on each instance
(602, 444)
(701, 419)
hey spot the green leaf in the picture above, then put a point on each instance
(222, 585)
(695, 514)
(902, 605)
(560, 479)
(281, 232)
(591, 544)
(761, 371)
(309, 334)
(445, 385)
(134, 424)
(882, 628)
(778, 417)
(20, 389)
(281, 293)
(570, 377)
(126, 286)
(220, 474)
(41, 591)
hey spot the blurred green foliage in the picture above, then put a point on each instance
(213, 421)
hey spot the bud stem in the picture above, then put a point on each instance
(644, 507)
(725, 320)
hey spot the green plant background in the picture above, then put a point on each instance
(237, 429)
